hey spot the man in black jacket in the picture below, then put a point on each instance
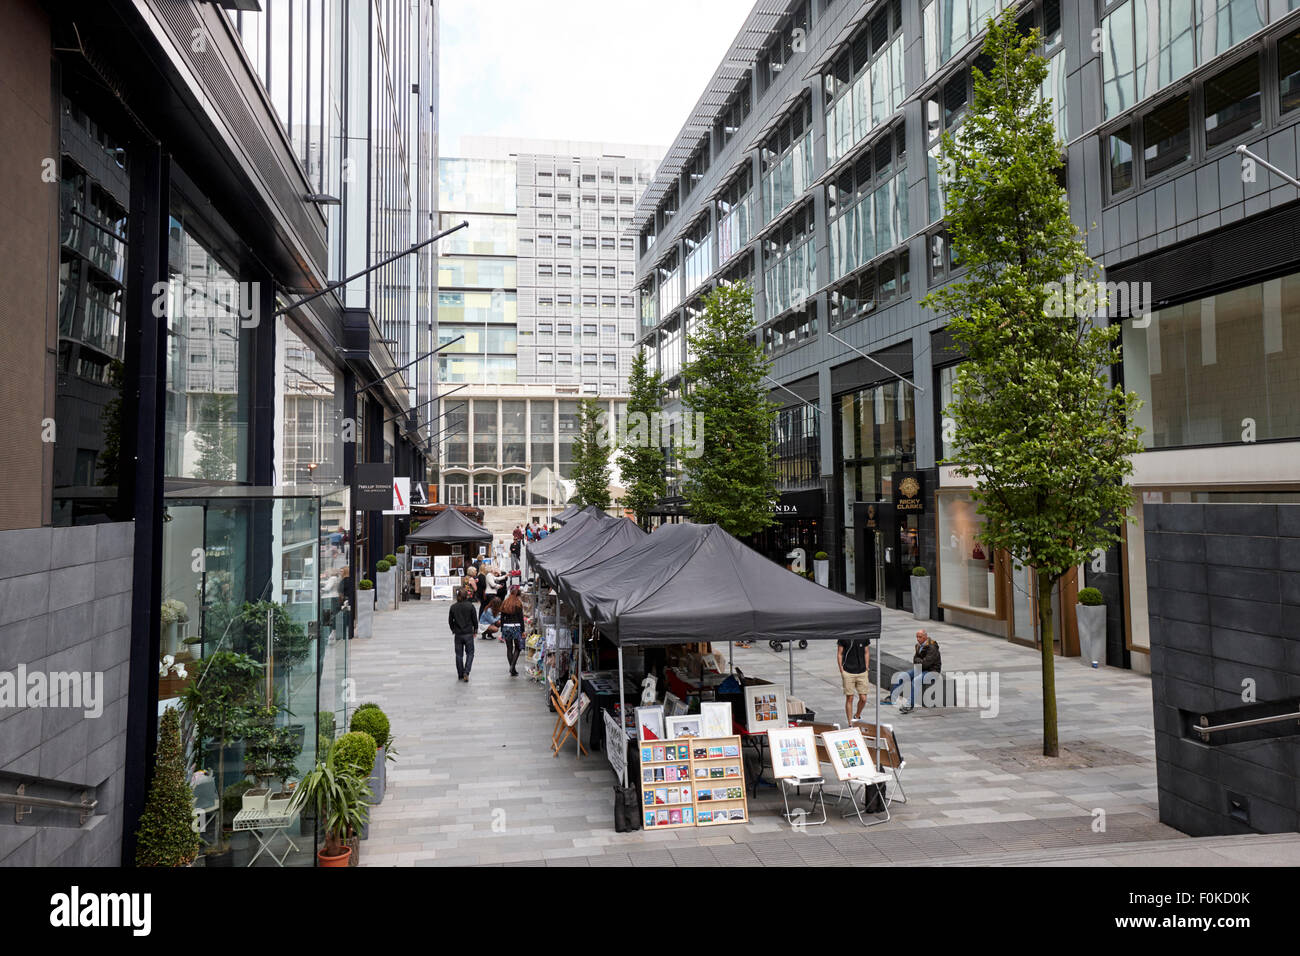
(463, 621)
(925, 661)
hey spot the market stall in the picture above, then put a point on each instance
(440, 549)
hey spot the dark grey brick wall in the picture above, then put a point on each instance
(1224, 597)
(65, 605)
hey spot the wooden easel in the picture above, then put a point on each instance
(567, 725)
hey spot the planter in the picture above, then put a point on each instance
(278, 803)
(171, 686)
(385, 583)
(365, 614)
(171, 638)
(343, 859)
(1092, 633)
(921, 598)
(379, 777)
(822, 573)
(256, 798)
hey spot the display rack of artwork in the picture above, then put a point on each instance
(692, 781)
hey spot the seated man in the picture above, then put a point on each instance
(926, 667)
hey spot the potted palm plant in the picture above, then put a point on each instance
(920, 593)
(338, 798)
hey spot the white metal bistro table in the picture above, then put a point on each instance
(264, 825)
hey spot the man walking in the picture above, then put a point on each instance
(463, 621)
(853, 658)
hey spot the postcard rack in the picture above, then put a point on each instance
(692, 781)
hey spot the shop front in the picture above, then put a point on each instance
(798, 527)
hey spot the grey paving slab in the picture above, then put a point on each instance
(476, 781)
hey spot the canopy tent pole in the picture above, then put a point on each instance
(622, 715)
(731, 656)
(578, 677)
(879, 687)
(790, 645)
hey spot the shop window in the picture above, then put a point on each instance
(967, 570)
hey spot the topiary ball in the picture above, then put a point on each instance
(373, 721)
(354, 753)
(1091, 597)
(381, 567)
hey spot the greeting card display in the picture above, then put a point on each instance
(681, 775)
(794, 752)
(764, 707)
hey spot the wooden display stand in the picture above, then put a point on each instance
(697, 765)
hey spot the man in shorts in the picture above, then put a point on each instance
(854, 658)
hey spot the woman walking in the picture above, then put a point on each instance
(512, 628)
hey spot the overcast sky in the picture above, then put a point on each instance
(615, 71)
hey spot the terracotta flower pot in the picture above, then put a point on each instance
(340, 860)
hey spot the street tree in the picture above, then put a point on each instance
(640, 459)
(1038, 426)
(591, 457)
(731, 480)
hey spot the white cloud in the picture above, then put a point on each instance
(615, 71)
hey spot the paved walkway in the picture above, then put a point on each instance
(476, 783)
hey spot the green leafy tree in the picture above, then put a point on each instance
(732, 481)
(640, 459)
(591, 457)
(1037, 425)
(165, 836)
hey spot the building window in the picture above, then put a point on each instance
(1205, 366)
(485, 492)
(787, 159)
(867, 205)
(699, 252)
(865, 84)
(791, 330)
(1232, 103)
(456, 493)
(790, 262)
(1166, 136)
(967, 571)
(735, 213)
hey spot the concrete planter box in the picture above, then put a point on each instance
(1092, 633)
(921, 598)
(378, 777)
(822, 573)
(364, 625)
(385, 584)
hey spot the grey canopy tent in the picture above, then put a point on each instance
(556, 538)
(449, 526)
(701, 584)
(592, 542)
(568, 514)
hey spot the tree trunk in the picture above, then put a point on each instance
(1051, 747)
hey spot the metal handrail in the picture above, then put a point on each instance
(24, 804)
(1205, 729)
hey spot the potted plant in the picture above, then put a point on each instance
(217, 704)
(285, 748)
(369, 719)
(385, 581)
(822, 569)
(166, 836)
(363, 626)
(356, 755)
(1091, 615)
(186, 654)
(337, 797)
(172, 615)
(920, 593)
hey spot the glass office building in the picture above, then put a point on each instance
(811, 170)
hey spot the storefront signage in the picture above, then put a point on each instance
(909, 493)
(401, 503)
(374, 486)
(798, 504)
